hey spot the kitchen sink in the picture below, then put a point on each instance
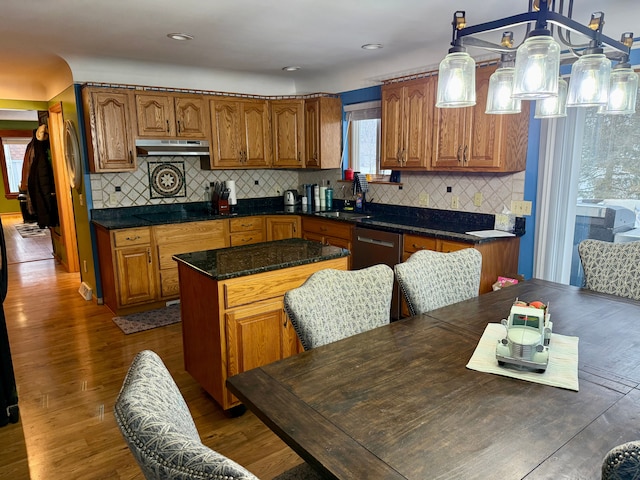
(345, 215)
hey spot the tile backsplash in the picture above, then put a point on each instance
(133, 188)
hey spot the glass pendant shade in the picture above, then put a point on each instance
(499, 99)
(623, 91)
(456, 81)
(553, 107)
(537, 67)
(589, 84)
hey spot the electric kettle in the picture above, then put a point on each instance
(290, 197)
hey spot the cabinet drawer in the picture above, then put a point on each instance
(131, 236)
(186, 232)
(247, 238)
(167, 251)
(447, 246)
(332, 228)
(245, 224)
(413, 243)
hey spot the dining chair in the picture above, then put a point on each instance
(622, 462)
(157, 425)
(431, 280)
(611, 267)
(334, 304)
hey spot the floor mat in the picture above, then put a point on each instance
(27, 230)
(138, 322)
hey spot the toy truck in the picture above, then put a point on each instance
(526, 344)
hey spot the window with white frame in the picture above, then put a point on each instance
(364, 138)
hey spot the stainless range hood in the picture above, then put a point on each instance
(179, 148)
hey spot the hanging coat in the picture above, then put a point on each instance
(42, 190)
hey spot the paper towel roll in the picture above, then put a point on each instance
(231, 185)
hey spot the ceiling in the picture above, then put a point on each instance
(322, 37)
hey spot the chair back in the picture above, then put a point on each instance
(335, 304)
(611, 267)
(622, 462)
(431, 280)
(159, 429)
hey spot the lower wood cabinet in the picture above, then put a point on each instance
(128, 269)
(280, 227)
(246, 230)
(230, 326)
(173, 239)
(499, 256)
(329, 232)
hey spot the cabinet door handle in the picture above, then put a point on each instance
(464, 154)
(418, 247)
(459, 154)
(299, 157)
(399, 156)
(149, 254)
(131, 239)
(178, 126)
(167, 126)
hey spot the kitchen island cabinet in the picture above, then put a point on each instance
(232, 310)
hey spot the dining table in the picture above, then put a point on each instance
(398, 401)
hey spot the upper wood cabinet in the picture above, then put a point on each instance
(165, 115)
(108, 116)
(240, 133)
(287, 125)
(467, 139)
(323, 127)
(407, 119)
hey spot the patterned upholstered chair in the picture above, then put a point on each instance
(611, 267)
(431, 280)
(335, 304)
(159, 430)
(622, 462)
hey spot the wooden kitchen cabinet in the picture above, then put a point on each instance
(230, 326)
(407, 119)
(323, 132)
(173, 239)
(287, 127)
(279, 227)
(165, 115)
(499, 256)
(329, 232)
(240, 133)
(109, 122)
(127, 267)
(246, 230)
(467, 139)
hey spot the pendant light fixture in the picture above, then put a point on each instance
(500, 98)
(537, 59)
(457, 75)
(553, 107)
(623, 87)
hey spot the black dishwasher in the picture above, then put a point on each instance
(372, 247)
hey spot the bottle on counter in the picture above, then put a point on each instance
(328, 198)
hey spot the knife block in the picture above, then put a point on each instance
(220, 206)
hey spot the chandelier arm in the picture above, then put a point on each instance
(479, 43)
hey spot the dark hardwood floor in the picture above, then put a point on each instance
(69, 360)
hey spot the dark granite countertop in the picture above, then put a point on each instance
(232, 262)
(444, 224)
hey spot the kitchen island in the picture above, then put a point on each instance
(231, 304)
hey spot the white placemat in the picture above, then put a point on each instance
(562, 370)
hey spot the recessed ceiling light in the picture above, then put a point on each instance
(180, 36)
(371, 46)
(290, 68)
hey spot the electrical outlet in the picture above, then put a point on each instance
(477, 199)
(521, 207)
(455, 204)
(423, 200)
(278, 191)
(113, 199)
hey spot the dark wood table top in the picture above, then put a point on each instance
(398, 402)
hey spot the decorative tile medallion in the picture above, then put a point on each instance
(166, 179)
